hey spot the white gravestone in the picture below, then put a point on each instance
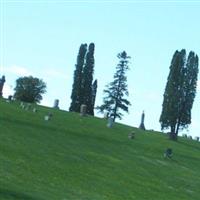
(105, 115)
(83, 110)
(110, 122)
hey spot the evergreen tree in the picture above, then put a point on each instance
(77, 95)
(179, 93)
(117, 90)
(88, 79)
(94, 92)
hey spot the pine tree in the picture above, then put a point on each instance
(88, 79)
(77, 95)
(117, 89)
(179, 93)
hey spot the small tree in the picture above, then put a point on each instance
(117, 90)
(29, 89)
(179, 93)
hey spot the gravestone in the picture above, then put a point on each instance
(10, 98)
(34, 110)
(131, 135)
(56, 104)
(110, 122)
(197, 138)
(142, 121)
(28, 106)
(48, 116)
(105, 115)
(2, 81)
(22, 105)
(168, 153)
(190, 137)
(184, 135)
(83, 110)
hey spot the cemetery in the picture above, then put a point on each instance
(99, 100)
(48, 153)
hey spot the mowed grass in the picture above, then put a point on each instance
(79, 158)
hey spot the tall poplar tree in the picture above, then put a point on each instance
(190, 85)
(115, 92)
(94, 92)
(77, 95)
(179, 93)
(88, 79)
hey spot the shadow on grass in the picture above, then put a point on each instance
(9, 194)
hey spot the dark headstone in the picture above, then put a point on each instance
(10, 98)
(190, 137)
(48, 116)
(168, 153)
(142, 121)
(131, 135)
(184, 135)
(56, 104)
(172, 136)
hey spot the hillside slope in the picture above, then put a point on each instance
(79, 158)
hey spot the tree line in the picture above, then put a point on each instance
(178, 98)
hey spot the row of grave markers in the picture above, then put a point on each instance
(190, 137)
(83, 113)
(28, 106)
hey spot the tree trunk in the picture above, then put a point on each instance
(115, 111)
(172, 134)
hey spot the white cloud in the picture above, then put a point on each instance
(7, 90)
(46, 102)
(18, 70)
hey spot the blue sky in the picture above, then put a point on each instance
(42, 38)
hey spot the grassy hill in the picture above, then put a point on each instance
(79, 158)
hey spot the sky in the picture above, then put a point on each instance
(42, 39)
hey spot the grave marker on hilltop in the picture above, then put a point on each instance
(56, 104)
(83, 110)
(110, 122)
(142, 121)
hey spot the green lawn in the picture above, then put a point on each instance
(79, 158)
